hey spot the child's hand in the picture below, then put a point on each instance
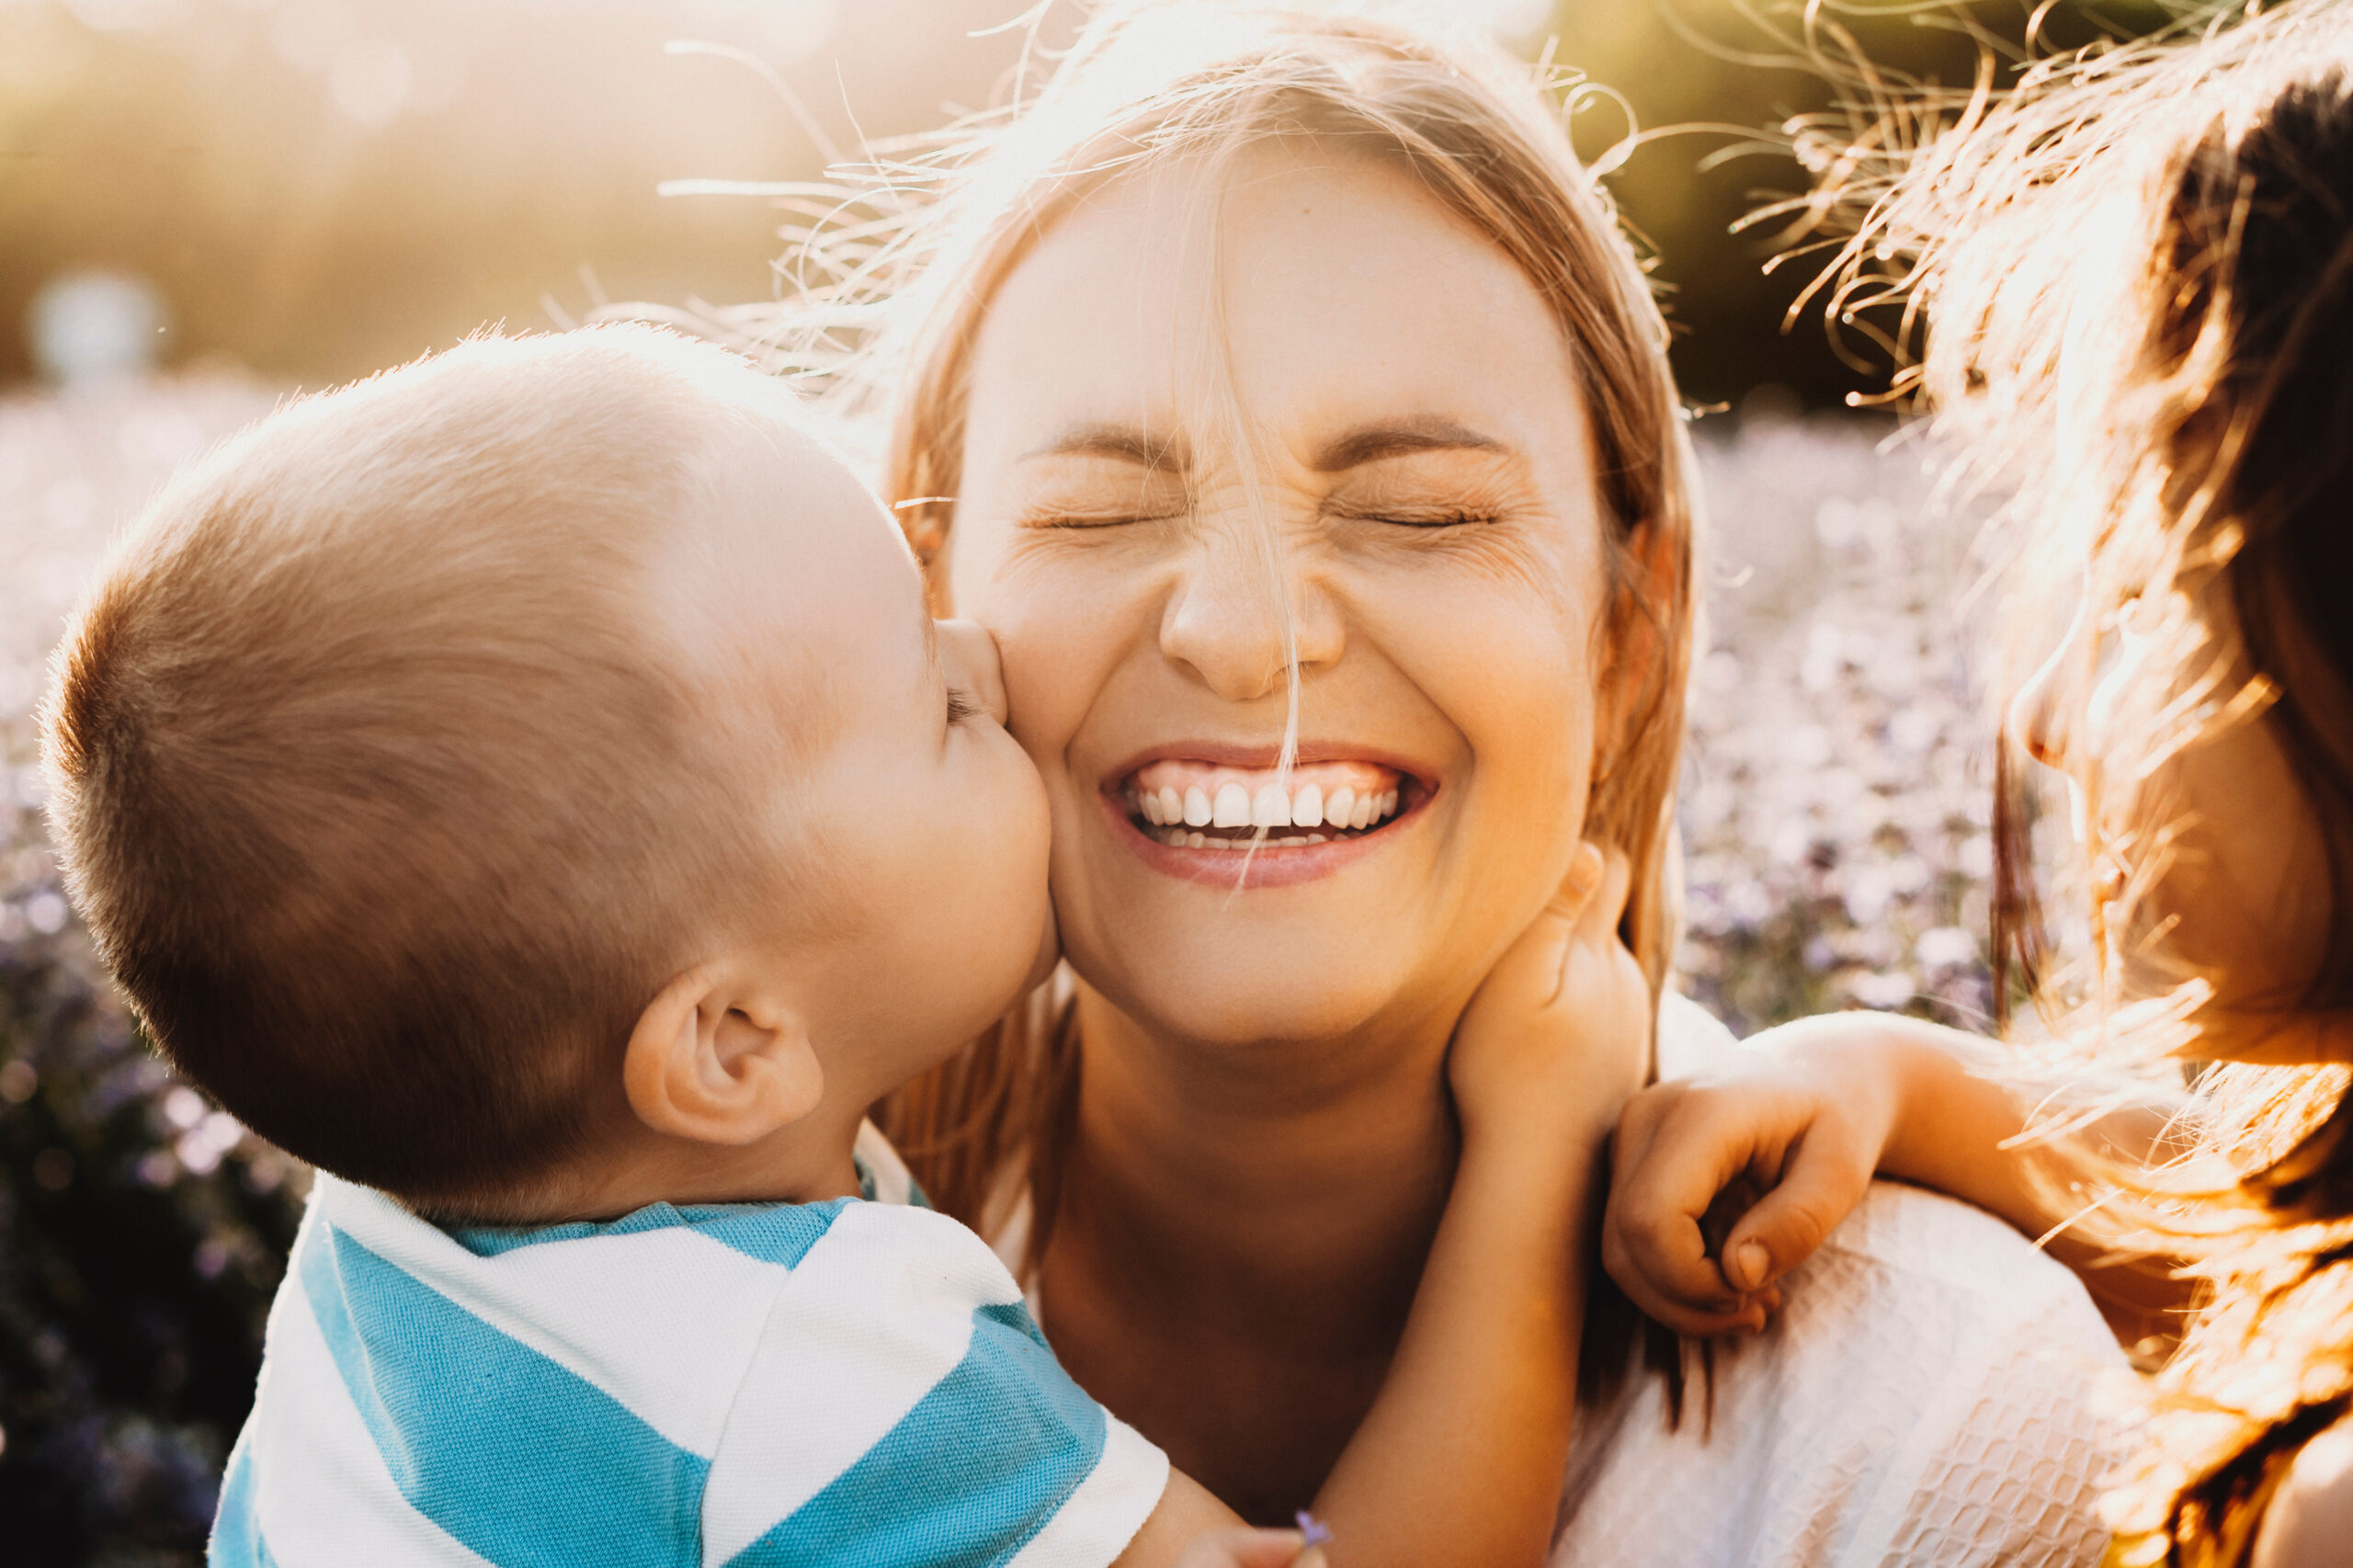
(1249, 1548)
(1559, 1033)
(1801, 1114)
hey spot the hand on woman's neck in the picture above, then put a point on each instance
(1239, 1235)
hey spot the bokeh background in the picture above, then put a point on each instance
(206, 203)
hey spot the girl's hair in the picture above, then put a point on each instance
(2137, 272)
(1149, 87)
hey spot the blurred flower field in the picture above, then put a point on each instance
(141, 1230)
(1837, 781)
(1835, 814)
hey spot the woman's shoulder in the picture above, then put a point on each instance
(2310, 1522)
(1689, 1037)
(1933, 1392)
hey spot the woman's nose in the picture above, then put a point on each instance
(1225, 621)
(969, 655)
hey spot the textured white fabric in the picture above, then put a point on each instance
(1934, 1395)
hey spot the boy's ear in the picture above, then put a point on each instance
(719, 1060)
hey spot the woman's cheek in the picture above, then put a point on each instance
(1057, 630)
(1507, 653)
(1509, 666)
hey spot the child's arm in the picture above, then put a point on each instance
(1192, 1529)
(1461, 1458)
(1808, 1113)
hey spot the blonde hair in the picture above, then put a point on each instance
(382, 807)
(2135, 273)
(1151, 85)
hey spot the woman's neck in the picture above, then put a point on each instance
(1287, 1165)
(1238, 1236)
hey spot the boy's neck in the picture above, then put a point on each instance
(809, 1161)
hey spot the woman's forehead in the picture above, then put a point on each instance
(1308, 291)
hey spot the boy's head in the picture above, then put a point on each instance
(528, 748)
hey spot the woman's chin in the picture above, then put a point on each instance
(1320, 957)
(1258, 995)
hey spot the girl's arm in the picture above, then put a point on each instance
(1805, 1115)
(1460, 1460)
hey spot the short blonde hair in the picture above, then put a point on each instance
(380, 807)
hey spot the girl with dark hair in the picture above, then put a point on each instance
(2138, 276)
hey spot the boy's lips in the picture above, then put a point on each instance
(1223, 814)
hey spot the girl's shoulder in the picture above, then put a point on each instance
(2309, 1521)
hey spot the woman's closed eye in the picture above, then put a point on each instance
(1074, 518)
(1443, 518)
(1405, 514)
(1087, 492)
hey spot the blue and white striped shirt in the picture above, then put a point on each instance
(843, 1383)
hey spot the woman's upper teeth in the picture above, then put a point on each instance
(1194, 794)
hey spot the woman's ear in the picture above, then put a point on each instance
(720, 1057)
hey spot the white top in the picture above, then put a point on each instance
(743, 1384)
(1935, 1394)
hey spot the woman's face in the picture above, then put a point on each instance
(1417, 455)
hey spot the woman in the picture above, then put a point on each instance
(1281, 394)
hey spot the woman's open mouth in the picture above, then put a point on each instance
(1187, 804)
(1231, 819)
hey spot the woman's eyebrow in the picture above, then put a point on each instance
(1398, 437)
(1090, 438)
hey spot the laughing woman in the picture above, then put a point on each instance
(1282, 395)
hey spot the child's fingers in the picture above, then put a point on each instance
(1588, 875)
(1533, 973)
(1530, 974)
(1597, 917)
(1678, 1286)
(1248, 1549)
(1670, 1160)
(1822, 1182)
(1701, 1318)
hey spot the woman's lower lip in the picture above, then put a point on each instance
(1269, 866)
